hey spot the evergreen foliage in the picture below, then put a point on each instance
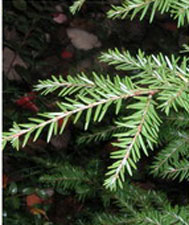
(101, 134)
(177, 9)
(137, 206)
(150, 105)
(160, 85)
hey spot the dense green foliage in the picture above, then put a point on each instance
(161, 86)
(149, 109)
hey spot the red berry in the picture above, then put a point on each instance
(25, 103)
(22, 101)
(66, 55)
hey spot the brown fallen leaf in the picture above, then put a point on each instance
(10, 59)
(82, 39)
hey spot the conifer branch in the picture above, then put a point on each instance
(127, 6)
(172, 161)
(176, 96)
(178, 9)
(68, 87)
(76, 107)
(99, 135)
(133, 140)
(178, 119)
(157, 72)
(179, 169)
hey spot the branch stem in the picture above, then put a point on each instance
(62, 115)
